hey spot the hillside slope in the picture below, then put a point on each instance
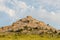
(29, 25)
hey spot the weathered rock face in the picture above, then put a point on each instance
(28, 25)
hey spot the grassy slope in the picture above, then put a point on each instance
(13, 36)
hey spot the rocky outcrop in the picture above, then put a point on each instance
(29, 25)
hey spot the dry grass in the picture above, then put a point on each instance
(18, 36)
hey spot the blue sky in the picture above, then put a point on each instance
(44, 10)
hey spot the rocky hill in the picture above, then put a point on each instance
(29, 25)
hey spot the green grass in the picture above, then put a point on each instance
(16, 36)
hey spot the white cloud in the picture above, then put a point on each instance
(22, 5)
(53, 13)
(3, 7)
(19, 5)
(7, 10)
(53, 3)
(51, 16)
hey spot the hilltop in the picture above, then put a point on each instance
(29, 25)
